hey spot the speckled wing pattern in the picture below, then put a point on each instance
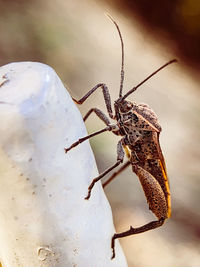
(164, 171)
(148, 155)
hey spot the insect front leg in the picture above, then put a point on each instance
(106, 95)
(120, 157)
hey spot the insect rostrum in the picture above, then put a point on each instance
(139, 128)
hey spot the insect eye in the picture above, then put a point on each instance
(129, 106)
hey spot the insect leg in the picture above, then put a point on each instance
(120, 157)
(106, 95)
(124, 166)
(81, 140)
(133, 231)
(99, 113)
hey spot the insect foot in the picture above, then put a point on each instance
(90, 188)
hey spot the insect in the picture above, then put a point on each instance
(139, 128)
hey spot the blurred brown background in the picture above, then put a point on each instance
(82, 45)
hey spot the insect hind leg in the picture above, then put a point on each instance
(133, 231)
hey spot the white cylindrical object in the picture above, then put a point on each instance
(44, 218)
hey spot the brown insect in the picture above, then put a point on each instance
(138, 125)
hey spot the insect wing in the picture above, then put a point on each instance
(153, 192)
(164, 172)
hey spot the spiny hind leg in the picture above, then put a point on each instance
(133, 231)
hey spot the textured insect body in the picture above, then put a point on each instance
(153, 192)
(139, 128)
(139, 125)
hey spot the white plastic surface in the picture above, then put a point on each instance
(44, 219)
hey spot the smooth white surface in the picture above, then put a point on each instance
(44, 219)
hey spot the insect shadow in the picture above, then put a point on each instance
(139, 128)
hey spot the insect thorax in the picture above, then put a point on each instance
(139, 125)
(136, 120)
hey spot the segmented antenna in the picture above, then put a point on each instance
(122, 45)
(135, 88)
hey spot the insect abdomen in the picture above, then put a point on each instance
(153, 192)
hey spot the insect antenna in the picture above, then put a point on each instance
(122, 45)
(135, 88)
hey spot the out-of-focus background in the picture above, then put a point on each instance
(82, 45)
